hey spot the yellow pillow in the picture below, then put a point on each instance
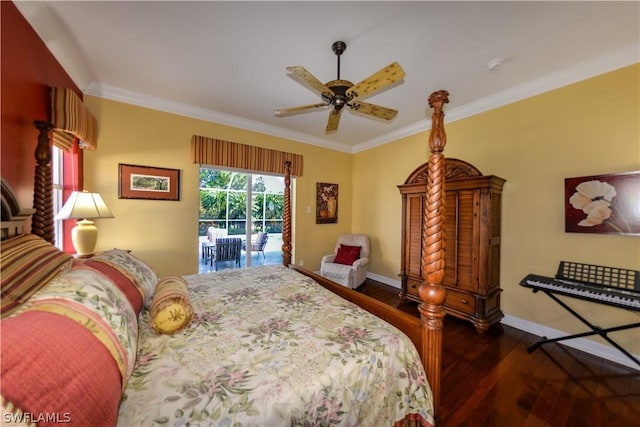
(171, 309)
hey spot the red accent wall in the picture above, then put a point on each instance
(27, 71)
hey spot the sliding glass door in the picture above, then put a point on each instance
(238, 204)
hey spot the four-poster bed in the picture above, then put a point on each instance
(188, 396)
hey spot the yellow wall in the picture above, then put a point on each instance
(165, 233)
(587, 128)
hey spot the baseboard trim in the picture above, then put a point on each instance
(594, 348)
(385, 280)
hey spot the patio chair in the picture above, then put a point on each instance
(258, 244)
(227, 249)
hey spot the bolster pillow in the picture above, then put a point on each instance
(171, 308)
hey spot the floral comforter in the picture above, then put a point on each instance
(270, 347)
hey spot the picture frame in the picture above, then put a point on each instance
(148, 182)
(326, 203)
(603, 204)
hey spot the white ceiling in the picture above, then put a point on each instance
(226, 61)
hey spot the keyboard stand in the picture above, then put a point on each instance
(595, 330)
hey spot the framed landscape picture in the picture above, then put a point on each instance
(147, 182)
(605, 204)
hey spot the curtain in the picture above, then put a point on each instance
(71, 121)
(217, 152)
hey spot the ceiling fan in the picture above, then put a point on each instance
(340, 93)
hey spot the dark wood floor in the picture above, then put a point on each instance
(491, 380)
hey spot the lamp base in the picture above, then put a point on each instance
(84, 237)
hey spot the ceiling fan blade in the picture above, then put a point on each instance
(373, 110)
(389, 74)
(300, 109)
(311, 80)
(334, 120)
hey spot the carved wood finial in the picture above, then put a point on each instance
(286, 220)
(438, 137)
(431, 291)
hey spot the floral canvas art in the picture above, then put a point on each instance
(606, 204)
(326, 203)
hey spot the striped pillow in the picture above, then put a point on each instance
(28, 263)
(122, 281)
(140, 274)
(171, 308)
(90, 298)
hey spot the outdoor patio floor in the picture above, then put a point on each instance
(272, 255)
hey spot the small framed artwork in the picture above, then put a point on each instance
(146, 182)
(326, 203)
(605, 204)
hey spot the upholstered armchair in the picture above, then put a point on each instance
(349, 262)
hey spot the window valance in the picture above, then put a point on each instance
(217, 152)
(72, 120)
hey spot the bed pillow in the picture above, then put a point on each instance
(140, 275)
(28, 264)
(53, 365)
(122, 281)
(347, 255)
(70, 349)
(91, 299)
(171, 308)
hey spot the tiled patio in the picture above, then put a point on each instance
(272, 252)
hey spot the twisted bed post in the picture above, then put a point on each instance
(431, 291)
(286, 220)
(42, 220)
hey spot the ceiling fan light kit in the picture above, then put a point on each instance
(340, 93)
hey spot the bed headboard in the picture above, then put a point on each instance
(14, 219)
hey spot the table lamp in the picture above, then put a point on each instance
(84, 206)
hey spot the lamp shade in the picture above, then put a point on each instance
(84, 205)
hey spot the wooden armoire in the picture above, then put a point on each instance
(472, 237)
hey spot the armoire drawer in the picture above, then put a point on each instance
(460, 301)
(413, 285)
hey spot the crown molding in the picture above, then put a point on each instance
(182, 109)
(614, 60)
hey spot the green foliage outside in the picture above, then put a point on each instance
(223, 201)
